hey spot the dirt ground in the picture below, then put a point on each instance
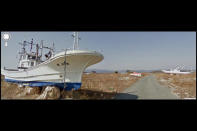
(94, 86)
(12, 91)
(184, 85)
(104, 85)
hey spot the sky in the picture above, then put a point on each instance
(121, 50)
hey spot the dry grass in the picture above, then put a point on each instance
(184, 85)
(108, 82)
(102, 86)
(105, 85)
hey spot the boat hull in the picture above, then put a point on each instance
(175, 72)
(68, 85)
(51, 72)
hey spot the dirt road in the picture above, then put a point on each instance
(147, 88)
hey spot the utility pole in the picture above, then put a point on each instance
(65, 69)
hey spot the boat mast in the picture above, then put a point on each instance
(41, 47)
(23, 47)
(37, 51)
(76, 40)
(31, 45)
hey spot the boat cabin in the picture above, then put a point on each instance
(32, 59)
(28, 60)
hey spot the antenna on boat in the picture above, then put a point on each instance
(31, 43)
(75, 35)
(53, 49)
(41, 47)
(23, 44)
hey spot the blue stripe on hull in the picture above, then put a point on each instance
(69, 86)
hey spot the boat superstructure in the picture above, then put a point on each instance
(63, 69)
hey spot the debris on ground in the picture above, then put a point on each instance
(50, 93)
(183, 85)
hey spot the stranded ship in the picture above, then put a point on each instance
(63, 69)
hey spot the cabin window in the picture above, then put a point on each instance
(32, 63)
(24, 57)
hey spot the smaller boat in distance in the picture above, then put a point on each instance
(176, 70)
(136, 74)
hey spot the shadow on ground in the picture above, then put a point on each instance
(84, 94)
(125, 96)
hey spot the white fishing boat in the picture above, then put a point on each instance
(176, 70)
(63, 70)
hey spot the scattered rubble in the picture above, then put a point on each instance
(183, 85)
